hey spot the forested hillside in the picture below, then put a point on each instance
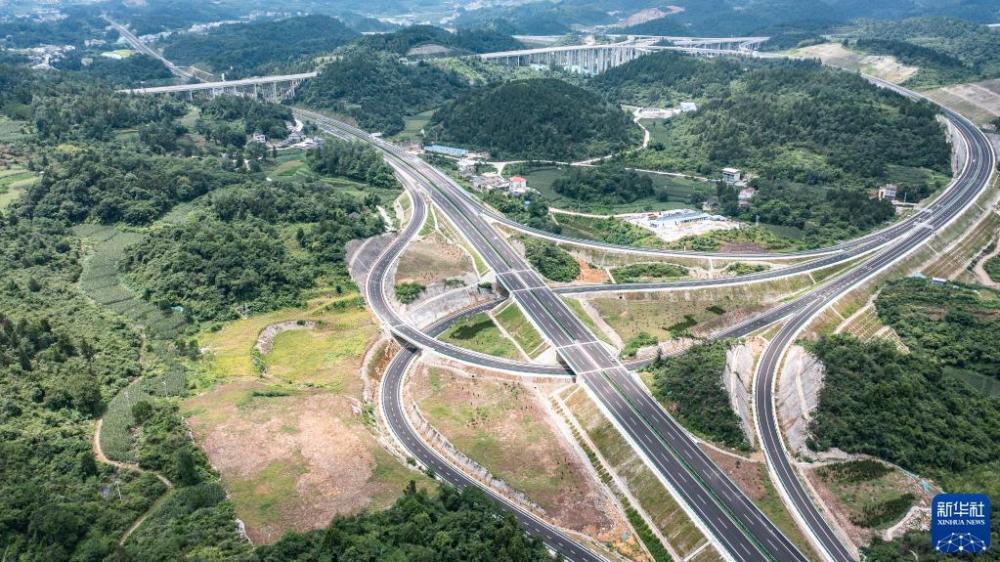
(976, 46)
(938, 408)
(376, 89)
(84, 315)
(544, 118)
(449, 525)
(241, 50)
(480, 40)
(817, 140)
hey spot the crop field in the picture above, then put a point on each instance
(479, 333)
(116, 438)
(101, 281)
(13, 183)
(11, 130)
(414, 124)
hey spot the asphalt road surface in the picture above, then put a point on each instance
(970, 184)
(731, 519)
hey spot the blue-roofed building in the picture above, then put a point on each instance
(446, 150)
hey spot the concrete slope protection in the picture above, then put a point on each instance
(975, 178)
(727, 516)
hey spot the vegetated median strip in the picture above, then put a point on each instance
(729, 514)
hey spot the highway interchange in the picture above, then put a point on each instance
(736, 527)
(723, 512)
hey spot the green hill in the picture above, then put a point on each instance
(469, 40)
(241, 50)
(378, 90)
(545, 119)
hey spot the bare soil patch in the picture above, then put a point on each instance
(291, 459)
(432, 260)
(502, 426)
(835, 54)
(590, 274)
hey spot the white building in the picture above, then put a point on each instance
(732, 176)
(887, 191)
(259, 137)
(688, 106)
(518, 185)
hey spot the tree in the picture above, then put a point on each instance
(141, 411)
(187, 472)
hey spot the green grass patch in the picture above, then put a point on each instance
(743, 268)
(413, 124)
(577, 308)
(640, 340)
(519, 328)
(643, 272)
(611, 230)
(678, 191)
(479, 333)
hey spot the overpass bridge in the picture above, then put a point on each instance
(595, 59)
(270, 88)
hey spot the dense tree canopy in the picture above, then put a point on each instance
(378, 90)
(692, 383)
(90, 113)
(353, 160)
(251, 49)
(481, 40)
(119, 186)
(550, 260)
(925, 420)
(957, 326)
(818, 140)
(449, 525)
(208, 267)
(607, 185)
(543, 118)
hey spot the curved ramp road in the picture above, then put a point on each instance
(974, 179)
(728, 518)
(393, 410)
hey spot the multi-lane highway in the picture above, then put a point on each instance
(631, 406)
(975, 177)
(145, 49)
(730, 519)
